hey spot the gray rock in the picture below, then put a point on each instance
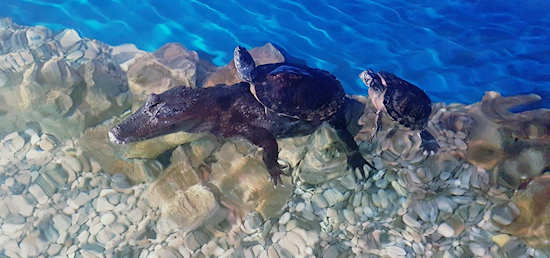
(120, 181)
(83, 237)
(445, 204)
(32, 246)
(11, 249)
(56, 176)
(38, 157)
(166, 252)
(505, 214)
(319, 201)
(445, 230)
(253, 221)
(292, 244)
(411, 221)
(70, 163)
(19, 204)
(12, 142)
(114, 199)
(54, 249)
(426, 210)
(118, 228)
(333, 196)
(37, 36)
(37, 192)
(80, 200)
(284, 218)
(108, 219)
(103, 205)
(105, 235)
(170, 66)
(331, 251)
(48, 186)
(325, 158)
(349, 215)
(3, 79)
(94, 248)
(47, 142)
(67, 38)
(196, 239)
(61, 222)
(478, 249)
(47, 230)
(395, 251)
(135, 215)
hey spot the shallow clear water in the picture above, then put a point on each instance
(69, 188)
(455, 50)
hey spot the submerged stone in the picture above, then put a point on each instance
(531, 221)
(325, 158)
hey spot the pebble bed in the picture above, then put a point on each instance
(54, 204)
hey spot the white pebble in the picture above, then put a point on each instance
(333, 196)
(300, 207)
(446, 230)
(284, 218)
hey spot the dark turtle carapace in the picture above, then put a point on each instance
(403, 102)
(275, 101)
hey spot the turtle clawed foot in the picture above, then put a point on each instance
(275, 173)
(359, 166)
(429, 147)
(429, 144)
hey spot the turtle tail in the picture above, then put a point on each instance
(429, 143)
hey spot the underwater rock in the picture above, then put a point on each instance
(67, 38)
(325, 159)
(151, 148)
(64, 82)
(266, 54)
(170, 66)
(515, 146)
(178, 176)
(533, 222)
(187, 208)
(243, 181)
(182, 199)
(96, 145)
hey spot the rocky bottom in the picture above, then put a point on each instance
(57, 202)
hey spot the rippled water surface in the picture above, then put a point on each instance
(455, 50)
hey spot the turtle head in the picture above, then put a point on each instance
(373, 80)
(244, 63)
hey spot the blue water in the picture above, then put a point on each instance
(454, 49)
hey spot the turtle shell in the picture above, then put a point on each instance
(298, 91)
(405, 102)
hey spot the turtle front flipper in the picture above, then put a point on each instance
(356, 162)
(429, 144)
(263, 138)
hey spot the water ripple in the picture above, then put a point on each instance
(455, 50)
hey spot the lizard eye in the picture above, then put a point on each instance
(152, 99)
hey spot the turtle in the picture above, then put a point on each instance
(300, 93)
(403, 101)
